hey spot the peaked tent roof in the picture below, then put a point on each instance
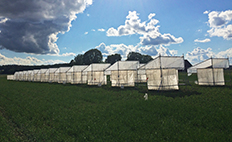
(166, 62)
(124, 65)
(96, 67)
(210, 63)
(62, 69)
(77, 68)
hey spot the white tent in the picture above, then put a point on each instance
(10, 77)
(30, 75)
(210, 71)
(142, 77)
(36, 76)
(95, 74)
(50, 74)
(162, 72)
(60, 74)
(123, 73)
(42, 73)
(21, 76)
(75, 74)
(25, 75)
(16, 76)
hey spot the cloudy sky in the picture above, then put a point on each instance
(46, 32)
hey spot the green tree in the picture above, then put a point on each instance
(135, 56)
(92, 56)
(113, 58)
(79, 59)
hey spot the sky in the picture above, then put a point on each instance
(36, 32)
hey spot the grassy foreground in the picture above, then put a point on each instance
(56, 112)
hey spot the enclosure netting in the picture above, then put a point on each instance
(75, 75)
(210, 71)
(162, 72)
(43, 75)
(51, 74)
(123, 73)
(95, 74)
(10, 77)
(210, 76)
(60, 74)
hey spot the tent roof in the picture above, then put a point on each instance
(210, 63)
(43, 70)
(52, 70)
(35, 71)
(124, 65)
(166, 62)
(62, 69)
(77, 68)
(96, 67)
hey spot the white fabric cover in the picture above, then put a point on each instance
(75, 74)
(95, 74)
(168, 80)
(30, 75)
(51, 74)
(142, 77)
(96, 78)
(43, 75)
(10, 77)
(123, 73)
(210, 63)
(166, 62)
(210, 76)
(36, 76)
(123, 78)
(60, 74)
(16, 76)
(25, 75)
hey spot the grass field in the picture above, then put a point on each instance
(56, 112)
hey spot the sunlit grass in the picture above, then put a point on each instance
(56, 112)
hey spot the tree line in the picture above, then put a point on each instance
(89, 57)
(95, 56)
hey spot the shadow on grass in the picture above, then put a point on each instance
(173, 93)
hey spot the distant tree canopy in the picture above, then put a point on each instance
(91, 56)
(113, 58)
(135, 56)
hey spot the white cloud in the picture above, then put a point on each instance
(123, 50)
(34, 25)
(225, 54)
(86, 33)
(88, 15)
(101, 30)
(93, 30)
(206, 12)
(151, 15)
(26, 61)
(148, 29)
(198, 55)
(204, 40)
(219, 24)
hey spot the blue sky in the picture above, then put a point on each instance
(57, 32)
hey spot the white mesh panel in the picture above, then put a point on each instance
(168, 80)
(210, 77)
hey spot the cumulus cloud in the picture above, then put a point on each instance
(26, 61)
(86, 33)
(204, 40)
(198, 55)
(33, 26)
(149, 30)
(101, 30)
(206, 12)
(123, 50)
(219, 24)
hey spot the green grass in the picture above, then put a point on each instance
(56, 112)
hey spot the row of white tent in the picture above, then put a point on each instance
(159, 74)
